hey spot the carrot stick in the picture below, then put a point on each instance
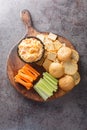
(25, 76)
(24, 70)
(24, 79)
(27, 85)
(32, 69)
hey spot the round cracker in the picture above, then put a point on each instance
(76, 78)
(70, 67)
(75, 56)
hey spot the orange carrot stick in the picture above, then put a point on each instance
(25, 76)
(24, 70)
(32, 69)
(27, 85)
(24, 79)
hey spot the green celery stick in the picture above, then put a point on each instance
(54, 80)
(50, 80)
(45, 93)
(44, 89)
(47, 85)
(37, 87)
(41, 93)
(54, 87)
(50, 76)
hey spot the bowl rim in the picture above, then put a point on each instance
(28, 37)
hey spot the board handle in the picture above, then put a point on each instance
(27, 20)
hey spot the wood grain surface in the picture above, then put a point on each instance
(14, 63)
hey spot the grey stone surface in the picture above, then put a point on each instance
(67, 18)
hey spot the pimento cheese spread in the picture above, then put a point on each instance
(30, 49)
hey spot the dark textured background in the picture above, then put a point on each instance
(67, 18)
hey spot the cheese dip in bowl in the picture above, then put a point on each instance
(30, 49)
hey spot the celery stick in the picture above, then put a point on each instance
(46, 93)
(54, 80)
(37, 86)
(50, 76)
(44, 89)
(54, 87)
(50, 80)
(47, 85)
(41, 93)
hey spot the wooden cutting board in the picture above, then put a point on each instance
(14, 63)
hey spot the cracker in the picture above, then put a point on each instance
(70, 67)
